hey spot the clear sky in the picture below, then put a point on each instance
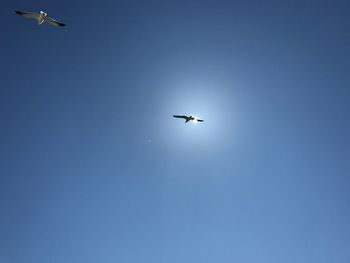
(93, 168)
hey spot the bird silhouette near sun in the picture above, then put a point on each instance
(188, 118)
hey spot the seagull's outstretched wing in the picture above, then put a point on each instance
(180, 116)
(54, 22)
(28, 14)
(199, 120)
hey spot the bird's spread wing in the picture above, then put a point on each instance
(200, 120)
(27, 14)
(54, 22)
(180, 116)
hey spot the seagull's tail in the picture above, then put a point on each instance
(40, 20)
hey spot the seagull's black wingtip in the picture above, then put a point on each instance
(18, 12)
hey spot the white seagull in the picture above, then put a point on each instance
(41, 18)
(188, 118)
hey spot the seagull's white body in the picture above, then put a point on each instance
(40, 18)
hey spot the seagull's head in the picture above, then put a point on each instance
(43, 13)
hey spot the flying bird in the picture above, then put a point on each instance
(40, 18)
(188, 118)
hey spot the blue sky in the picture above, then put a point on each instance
(93, 168)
